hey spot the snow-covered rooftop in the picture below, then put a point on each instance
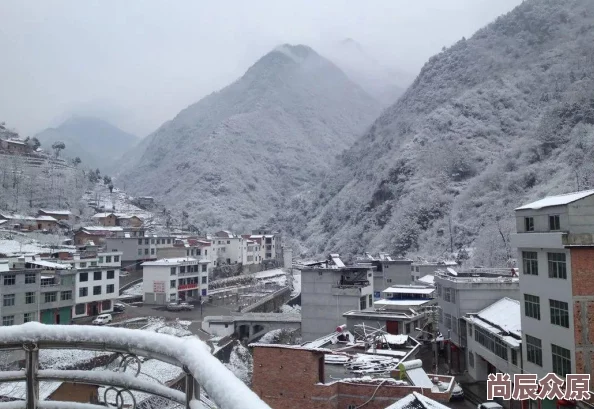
(49, 264)
(558, 200)
(169, 261)
(505, 315)
(409, 290)
(102, 228)
(401, 302)
(429, 279)
(45, 219)
(60, 212)
(416, 401)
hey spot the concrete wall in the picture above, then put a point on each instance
(479, 371)
(546, 288)
(541, 218)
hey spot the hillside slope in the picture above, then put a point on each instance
(96, 142)
(231, 158)
(489, 123)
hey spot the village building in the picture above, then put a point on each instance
(421, 268)
(555, 246)
(330, 373)
(389, 271)
(14, 146)
(96, 234)
(174, 279)
(48, 223)
(117, 219)
(469, 291)
(36, 290)
(494, 340)
(329, 289)
(63, 215)
(401, 310)
(19, 222)
(97, 284)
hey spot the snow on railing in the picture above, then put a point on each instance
(203, 370)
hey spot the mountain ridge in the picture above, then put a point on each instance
(290, 103)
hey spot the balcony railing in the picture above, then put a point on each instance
(203, 371)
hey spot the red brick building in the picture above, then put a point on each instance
(287, 376)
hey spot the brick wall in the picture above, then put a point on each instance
(582, 271)
(287, 377)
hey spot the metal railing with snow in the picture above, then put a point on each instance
(203, 371)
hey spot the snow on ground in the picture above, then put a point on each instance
(18, 390)
(65, 358)
(270, 337)
(287, 309)
(241, 363)
(19, 245)
(296, 283)
(133, 291)
(176, 328)
(268, 273)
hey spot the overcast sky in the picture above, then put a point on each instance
(137, 63)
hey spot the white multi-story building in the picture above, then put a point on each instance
(328, 290)
(174, 279)
(97, 284)
(469, 291)
(494, 341)
(227, 248)
(555, 243)
(136, 250)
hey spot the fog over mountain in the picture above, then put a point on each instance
(382, 82)
(231, 159)
(96, 142)
(493, 121)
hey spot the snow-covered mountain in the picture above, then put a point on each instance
(504, 117)
(230, 159)
(96, 142)
(382, 82)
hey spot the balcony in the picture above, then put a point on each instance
(203, 372)
(348, 290)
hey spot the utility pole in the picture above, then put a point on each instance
(449, 352)
(435, 346)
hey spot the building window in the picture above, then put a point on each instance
(534, 350)
(529, 223)
(110, 274)
(83, 265)
(182, 269)
(173, 271)
(557, 265)
(30, 278)
(9, 279)
(453, 295)
(370, 300)
(559, 313)
(97, 290)
(8, 320)
(470, 330)
(561, 360)
(530, 262)
(532, 306)
(140, 252)
(438, 286)
(108, 259)
(471, 359)
(204, 279)
(110, 289)
(50, 297)
(97, 275)
(491, 342)
(8, 300)
(83, 291)
(168, 241)
(140, 242)
(29, 298)
(100, 259)
(83, 277)
(79, 309)
(146, 252)
(152, 251)
(66, 295)
(446, 294)
(171, 283)
(407, 327)
(93, 263)
(362, 303)
(28, 317)
(152, 241)
(116, 259)
(146, 241)
(106, 305)
(514, 357)
(554, 223)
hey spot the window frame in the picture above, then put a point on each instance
(11, 298)
(554, 222)
(532, 306)
(559, 313)
(50, 297)
(28, 277)
(561, 359)
(530, 263)
(557, 268)
(97, 292)
(534, 350)
(529, 223)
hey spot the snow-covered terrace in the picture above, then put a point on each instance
(203, 370)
